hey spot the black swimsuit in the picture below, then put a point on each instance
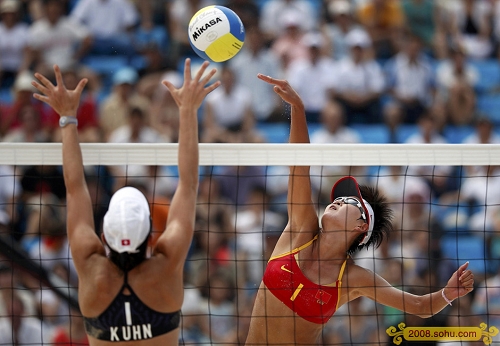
(127, 318)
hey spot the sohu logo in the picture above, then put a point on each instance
(198, 31)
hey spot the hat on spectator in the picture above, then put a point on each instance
(358, 38)
(339, 7)
(127, 222)
(125, 75)
(313, 39)
(291, 18)
(23, 82)
(9, 6)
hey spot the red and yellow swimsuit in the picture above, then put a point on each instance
(313, 302)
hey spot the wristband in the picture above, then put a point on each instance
(444, 297)
(66, 120)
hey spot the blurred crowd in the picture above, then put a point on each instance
(360, 66)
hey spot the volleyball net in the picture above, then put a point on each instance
(446, 201)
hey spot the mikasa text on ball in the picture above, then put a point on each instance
(216, 33)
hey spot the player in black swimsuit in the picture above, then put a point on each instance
(127, 296)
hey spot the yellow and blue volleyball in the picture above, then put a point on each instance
(216, 33)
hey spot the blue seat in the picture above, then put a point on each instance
(6, 96)
(372, 133)
(489, 74)
(105, 64)
(405, 131)
(457, 134)
(490, 105)
(274, 133)
(465, 248)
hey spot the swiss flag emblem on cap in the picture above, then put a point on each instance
(125, 242)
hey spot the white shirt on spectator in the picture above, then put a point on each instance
(313, 81)
(10, 189)
(12, 44)
(56, 42)
(31, 332)
(105, 18)
(410, 80)
(272, 11)
(361, 78)
(246, 66)
(229, 109)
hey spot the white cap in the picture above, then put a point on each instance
(23, 82)
(358, 38)
(338, 7)
(127, 222)
(9, 6)
(290, 18)
(313, 39)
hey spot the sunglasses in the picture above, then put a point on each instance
(352, 201)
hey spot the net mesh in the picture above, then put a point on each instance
(445, 199)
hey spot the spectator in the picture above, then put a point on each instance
(17, 328)
(359, 81)
(332, 130)
(273, 12)
(313, 78)
(410, 80)
(422, 19)
(471, 27)
(52, 40)
(437, 177)
(30, 129)
(72, 333)
(254, 224)
(255, 58)
(228, 115)
(13, 41)
(484, 132)
(23, 96)
(476, 191)
(117, 106)
(383, 19)
(455, 82)
(135, 131)
(342, 330)
(340, 23)
(180, 13)
(10, 190)
(110, 24)
(486, 302)
(220, 323)
(247, 10)
(288, 45)
(88, 117)
(236, 182)
(164, 111)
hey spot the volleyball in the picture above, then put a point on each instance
(216, 33)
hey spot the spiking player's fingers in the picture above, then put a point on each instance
(270, 79)
(48, 84)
